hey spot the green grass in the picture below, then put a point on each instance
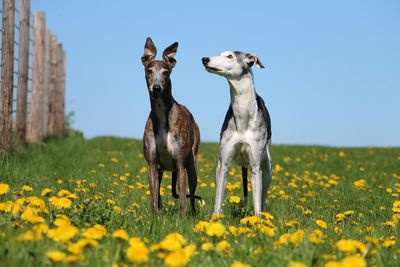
(302, 181)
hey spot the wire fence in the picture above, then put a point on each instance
(32, 81)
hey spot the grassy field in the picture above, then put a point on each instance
(85, 202)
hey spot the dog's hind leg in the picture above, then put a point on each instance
(245, 190)
(160, 175)
(174, 180)
(192, 178)
(266, 176)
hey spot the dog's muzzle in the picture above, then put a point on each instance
(156, 92)
(205, 61)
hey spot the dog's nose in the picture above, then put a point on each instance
(205, 60)
(156, 88)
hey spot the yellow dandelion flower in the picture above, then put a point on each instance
(361, 183)
(6, 206)
(267, 230)
(27, 188)
(36, 202)
(222, 246)
(144, 169)
(137, 253)
(216, 217)
(41, 228)
(30, 235)
(172, 242)
(215, 229)
(240, 264)
(4, 188)
(234, 199)
(396, 206)
(60, 203)
(349, 212)
(73, 258)
(333, 264)
(30, 216)
(322, 224)
(317, 237)
(121, 234)
(297, 237)
(353, 261)
(267, 215)
(207, 246)
(291, 223)
(250, 220)
(176, 259)
(201, 226)
(307, 212)
(96, 232)
(389, 243)
(77, 248)
(61, 219)
(350, 246)
(56, 255)
(63, 233)
(296, 264)
(67, 194)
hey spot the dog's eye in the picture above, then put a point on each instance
(149, 72)
(165, 73)
(229, 56)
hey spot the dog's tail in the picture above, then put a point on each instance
(176, 195)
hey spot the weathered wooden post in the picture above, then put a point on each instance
(7, 75)
(62, 85)
(46, 94)
(60, 91)
(52, 130)
(36, 116)
(23, 68)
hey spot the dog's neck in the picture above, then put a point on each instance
(243, 100)
(160, 109)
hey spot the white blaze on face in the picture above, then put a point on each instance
(157, 77)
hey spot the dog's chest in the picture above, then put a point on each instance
(247, 144)
(166, 147)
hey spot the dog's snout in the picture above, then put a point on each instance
(156, 88)
(205, 60)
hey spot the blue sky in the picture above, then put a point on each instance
(332, 73)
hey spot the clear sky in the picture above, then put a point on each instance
(332, 73)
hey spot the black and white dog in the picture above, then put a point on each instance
(246, 132)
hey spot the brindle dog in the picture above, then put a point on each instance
(171, 136)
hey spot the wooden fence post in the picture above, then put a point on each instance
(62, 81)
(60, 91)
(46, 94)
(23, 68)
(52, 130)
(7, 75)
(39, 32)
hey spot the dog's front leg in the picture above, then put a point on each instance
(154, 187)
(256, 188)
(224, 160)
(182, 188)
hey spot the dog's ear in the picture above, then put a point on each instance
(250, 59)
(150, 51)
(169, 54)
